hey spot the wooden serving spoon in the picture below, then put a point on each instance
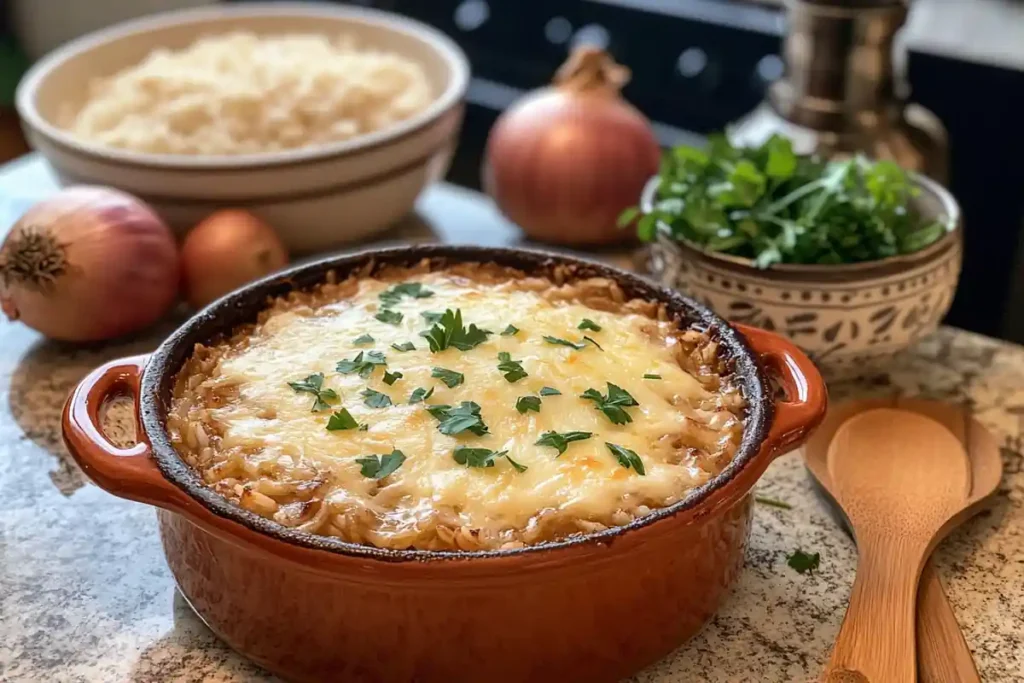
(899, 478)
(943, 655)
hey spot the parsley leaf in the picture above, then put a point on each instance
(772, 502)
(392, 377)
(375, 399)
(431, 317)
(614, 404)
(386, 315)
(321, 402)
(564, 342)
(524, 403)
(510, 331)
(549, 391)
(313, 384)
(310, 385)
(465, 417)
(364, 339)
(451, 378)
(449, 331)
(626, 457)
(803, 562)
(561, 441)
(413, 290)
(512, 369)
(483, 457)
(341, 419)
(518, 468)
(380, 466)
(588, 339)
(362, 364)
(588, 324)
(420, 394)
(652, 376)
(404, 346)
(620, 396)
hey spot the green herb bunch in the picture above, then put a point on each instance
(771, 205)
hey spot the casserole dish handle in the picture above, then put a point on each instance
(126, 472)
(803, 407)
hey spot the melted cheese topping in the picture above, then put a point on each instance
(270, 419)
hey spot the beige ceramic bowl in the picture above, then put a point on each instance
(850, 319)
(317, 198)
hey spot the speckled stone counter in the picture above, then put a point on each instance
(85, 594)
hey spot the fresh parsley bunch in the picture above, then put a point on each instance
(772, 206)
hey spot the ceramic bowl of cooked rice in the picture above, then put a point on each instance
(326, 121)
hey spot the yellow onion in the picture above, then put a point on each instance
(225, 251)
(564, 161)
(88, 264)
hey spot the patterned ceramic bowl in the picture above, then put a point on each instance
(851, 319)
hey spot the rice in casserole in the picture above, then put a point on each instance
(304, 419)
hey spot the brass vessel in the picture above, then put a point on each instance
(842, 90)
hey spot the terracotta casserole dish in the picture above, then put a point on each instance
(590, 607)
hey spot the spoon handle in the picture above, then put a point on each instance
(944, 655)
(876, 642)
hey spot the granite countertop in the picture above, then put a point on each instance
(85, 594)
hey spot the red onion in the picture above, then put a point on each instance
(225, 251)
(87, 264)
(565, 161)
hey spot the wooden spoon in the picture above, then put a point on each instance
(943, 655)
(899, 477)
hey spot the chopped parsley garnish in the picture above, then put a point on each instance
(431, 317)
(310, 385)
(449, 331)
(386, 315)
(549, 391)
(564, 342)
(561, 441)
(451, 378)
(773, 502)
(364, 339)
(375, 399)
(588, 339)
(419, 395)
(341, 419)
(524, 403)
(380, 466)
(518, 468)
(626, 457)
(313, 384)
(614, 404)
(404, 346)
(466, 417)
(413, 290)
(588, 324)
(392, 377)
(362, 364)
(512, 369)
(651, 375)
(803, 562)
(483, 457)
(510, 331)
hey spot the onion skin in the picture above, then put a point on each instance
(110, 268)
(225, 251)
(565, 161)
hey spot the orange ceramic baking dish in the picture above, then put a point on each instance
(593, 608)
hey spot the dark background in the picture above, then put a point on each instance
(699, 64)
